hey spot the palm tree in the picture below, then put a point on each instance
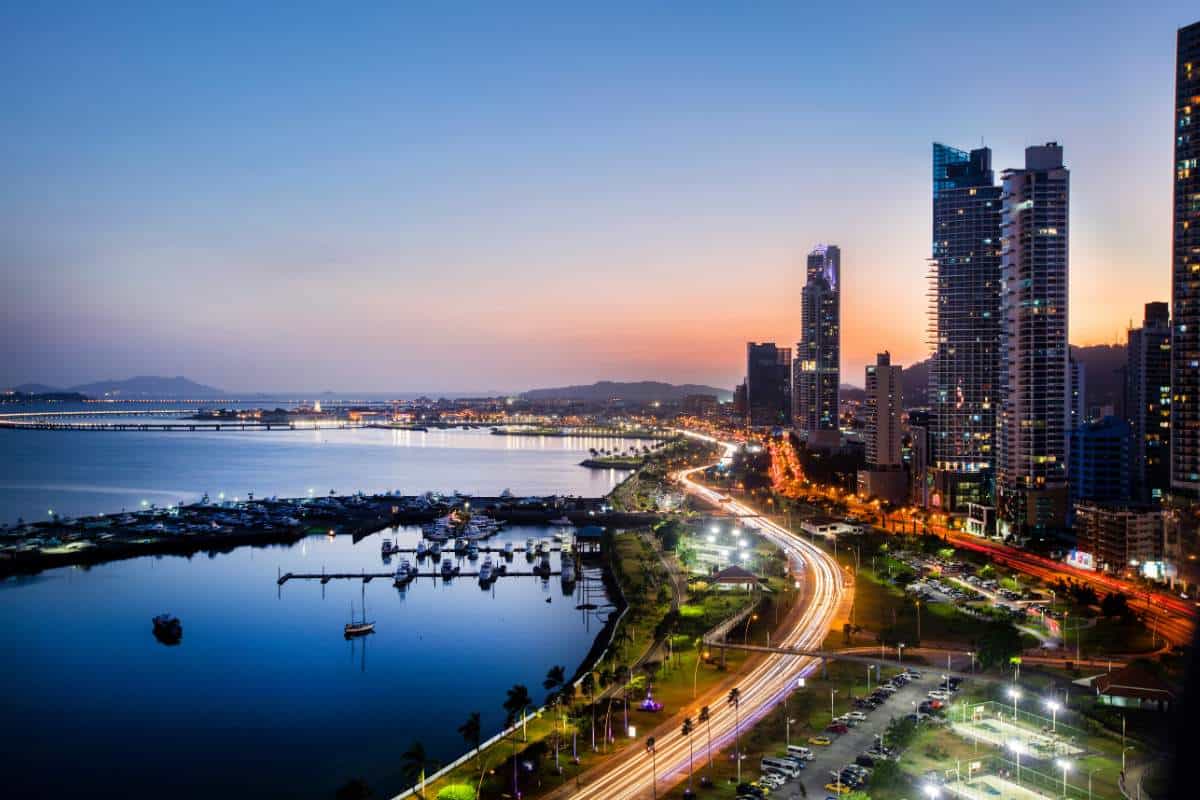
(413, 762)
(514, 705)
(555, 683)
(653, 766)
(735, 700)
(471, 731)
(588, 684)
(626, 676)
(687, 734)
(706, 718)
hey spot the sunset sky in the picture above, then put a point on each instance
(419, 199)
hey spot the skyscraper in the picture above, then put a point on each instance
(884, 405)
(1148, 403)
(964, 326)
(817, 369)
(768, 373)
(1031, 468)
(1185, 269)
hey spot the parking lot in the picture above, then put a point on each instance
(844, 748)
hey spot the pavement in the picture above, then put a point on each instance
(847, 747)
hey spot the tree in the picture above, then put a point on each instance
(686, 731)
(556, 680)
(413, 762)
(588, 684)
(1115, 604)
(471, 732)
(706, 718)
(998, 642)
(735, 700)
(515, 703)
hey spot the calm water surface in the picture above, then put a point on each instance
(89, 472)
(263, 697)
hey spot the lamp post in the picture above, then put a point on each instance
(653, 767)
(900, 653)
(1053, 705)
(788, 731)
(1015, 694)
(1065, 766)
(832, 692)
(696, 671)
(1016, 746)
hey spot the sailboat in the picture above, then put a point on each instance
(354, 629)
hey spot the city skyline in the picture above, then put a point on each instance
(316, 213)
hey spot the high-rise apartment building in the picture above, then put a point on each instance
(1099, 461)
(1031, 464)
(1148, 403)
(964, 326)
(884, 407)
(1185, 269)
(768, 384)
(817, 368)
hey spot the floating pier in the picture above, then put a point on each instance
(367, 577)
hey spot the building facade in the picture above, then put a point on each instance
(1148, 403)
(1099, 463)
(817, 368)
(964, 325)
(768, 384)
(1031, 468)
(1185, 269)
(1119, 538)
(884, 406)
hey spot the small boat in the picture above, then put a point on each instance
(422, 548)
(561, 521)
(460, 544)
(387, 547)
(167, 628)
(404, 573)
(568, 571)
(472, 551)
(447, 568)
(530, 544)
(508, 549)
(485, 572)
(435, 549)
(362, 628)
(543, 566)
(542, 547)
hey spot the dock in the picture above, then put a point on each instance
(367, 577)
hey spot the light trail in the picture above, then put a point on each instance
(628, 774)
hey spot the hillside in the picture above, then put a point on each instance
(630, 392)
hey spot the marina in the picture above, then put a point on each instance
(80, 640)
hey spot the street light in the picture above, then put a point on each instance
(1054, 706)
(1015, 694)
(900, 653)
(832, 692)
(931, 791)
(1016, 746)
(1065, 766)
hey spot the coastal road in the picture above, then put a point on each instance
(628, 774)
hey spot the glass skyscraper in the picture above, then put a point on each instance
(817, 368)
(1185, 270)
(1034, 385)
(964, 326)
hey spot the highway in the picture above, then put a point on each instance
(1171, 617)
(628, 774)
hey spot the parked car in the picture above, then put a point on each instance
(820, 741)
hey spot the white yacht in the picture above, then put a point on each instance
(568, 571)
(485, 571)
(508, 549)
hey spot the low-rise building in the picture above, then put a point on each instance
(1119, 538)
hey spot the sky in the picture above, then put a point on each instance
(458, 197)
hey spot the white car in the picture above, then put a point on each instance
(937, 694)
(858, 715)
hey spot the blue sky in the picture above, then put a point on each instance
(502, 196)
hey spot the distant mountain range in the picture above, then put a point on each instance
(630, 392)
(149, 386)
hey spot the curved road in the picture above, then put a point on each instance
(628, 774)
